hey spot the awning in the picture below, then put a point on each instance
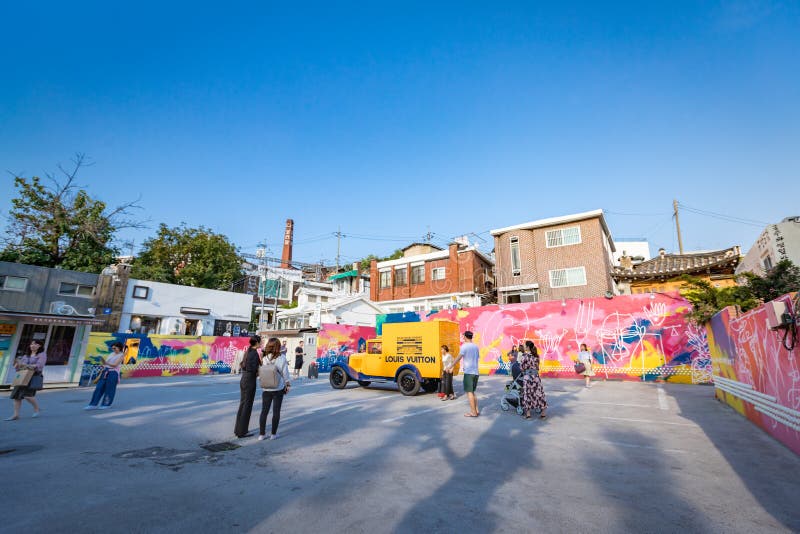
(47, 318)
(348, 274)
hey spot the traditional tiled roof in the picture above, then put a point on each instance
(673, 265)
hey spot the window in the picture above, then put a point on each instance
(386, 279)
(531, 295)
(13, 283)
(66, 288)
(575, 276)
(145, 325)
(515, 261)
(418, 274)
(563, 237)
(141, 292)
(437, 273)
(767, 263)
(401, 276)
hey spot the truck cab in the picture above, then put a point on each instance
(408, 354)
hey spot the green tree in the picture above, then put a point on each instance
(60, 225)
(783, 278)
(194, 257)
(708, 300)
(366, 261)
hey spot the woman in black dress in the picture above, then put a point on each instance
(247, 387)
(532, 390)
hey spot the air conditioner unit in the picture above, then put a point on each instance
(60, 307)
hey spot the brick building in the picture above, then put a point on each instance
(556, 258)
(429, 278)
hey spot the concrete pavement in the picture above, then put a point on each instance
(620, 457)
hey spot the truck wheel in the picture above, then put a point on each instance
(430, 385)
(338, 378)
(408, 383)
(364, 383)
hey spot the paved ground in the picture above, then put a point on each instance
(618, 457)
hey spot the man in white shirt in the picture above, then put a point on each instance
(471, 355)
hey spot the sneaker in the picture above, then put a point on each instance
(273, 436)
(262, 437)
(90, 407)
(104, 407)
(12, 418)
(35, 415)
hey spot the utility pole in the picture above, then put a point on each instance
(678, 226)
(261, 254)
(339, 237)
(277, 294)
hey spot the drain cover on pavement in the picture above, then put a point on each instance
(220, 447)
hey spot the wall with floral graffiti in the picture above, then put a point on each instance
(166, 355)
(634, 337)
(755, 373)
(337, 341)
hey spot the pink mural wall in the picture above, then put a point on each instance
(633, 337)
(165, 355)
(755, 373)
(337, 341)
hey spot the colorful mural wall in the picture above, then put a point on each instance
(634, 337)
(755, 373)
(165, 355)
(337, 341)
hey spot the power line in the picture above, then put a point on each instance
(724, 217)
(634, 214)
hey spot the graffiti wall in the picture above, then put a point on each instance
(634, 337)
(337, 341)
(755, 373)
(166, 355)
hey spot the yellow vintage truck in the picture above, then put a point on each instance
(406, 353)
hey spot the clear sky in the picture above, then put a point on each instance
(391, 120)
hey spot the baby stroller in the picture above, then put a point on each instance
(511, 396)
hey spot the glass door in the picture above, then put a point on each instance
(59, 347)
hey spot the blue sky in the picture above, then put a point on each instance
(392, 120)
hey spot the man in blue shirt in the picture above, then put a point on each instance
(470, 353)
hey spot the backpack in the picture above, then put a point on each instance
(268, 374)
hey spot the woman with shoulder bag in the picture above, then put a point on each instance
(275, 383)
(35, 359)
(585, 357)
(247, 387)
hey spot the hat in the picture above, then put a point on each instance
(468, 334)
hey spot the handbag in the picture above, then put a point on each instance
(22, 378)
(37, 382)
(580, 367)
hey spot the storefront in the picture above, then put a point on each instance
(65, 339)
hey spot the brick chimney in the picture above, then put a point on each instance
(288, 239)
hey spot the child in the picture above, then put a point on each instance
(446, 383)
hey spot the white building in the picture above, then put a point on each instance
(777, 242)
(170, 309)
(322, 303)
(637, 248)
